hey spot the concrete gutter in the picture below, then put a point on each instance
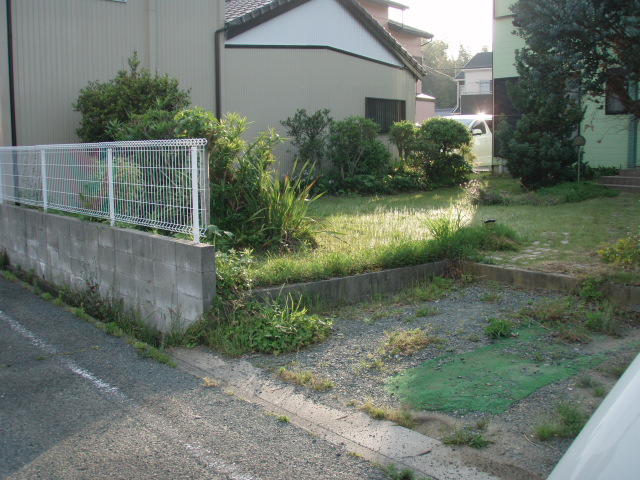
(378, 441)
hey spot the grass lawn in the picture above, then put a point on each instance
(560, 238)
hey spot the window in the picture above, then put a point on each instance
(385, 112)
(485, 86)
(612, 104)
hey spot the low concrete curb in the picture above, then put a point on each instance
(377, 441)
(356, 288)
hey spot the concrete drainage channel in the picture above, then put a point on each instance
(375, 440)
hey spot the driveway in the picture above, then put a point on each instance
(76, 403)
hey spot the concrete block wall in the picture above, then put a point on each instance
(170, 282)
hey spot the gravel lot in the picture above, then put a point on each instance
(351, 359)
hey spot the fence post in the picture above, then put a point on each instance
(112, 209)
(43, 162)
(194, 195)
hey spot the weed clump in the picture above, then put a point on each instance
(499, 328)
(567, 422)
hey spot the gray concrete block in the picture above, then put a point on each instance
(190, 309)
(106, 258)
(143, 269)
(164, 250)
(64, 260)
(106, 237)
(91, 233)
(124, 263)
(189, 283)
(196, 258)
(165, 275)
(60, 224)
(145, 291)
(209, 288)
(166, 300)
(122, 238)
(106, 279)
(125, 286)
(142, 244)
(76, 230)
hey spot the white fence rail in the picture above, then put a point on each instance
(157, 183)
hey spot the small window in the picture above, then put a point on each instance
(612, 104)
(385, 112)
(485, 86)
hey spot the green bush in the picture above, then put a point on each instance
(499, 328)
(402, 135)
(625, 252)
(104, 105)
(354, 147)
(438, 152)
(309, 134)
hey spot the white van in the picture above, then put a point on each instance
(481, 127)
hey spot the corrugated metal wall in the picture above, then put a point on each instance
(59, 46)
(269, 85)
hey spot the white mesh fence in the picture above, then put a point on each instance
(157, 183)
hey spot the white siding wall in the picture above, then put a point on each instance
(59, 46)
(269, 85)
(323, 23)
(473, 78)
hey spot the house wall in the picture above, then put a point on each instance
(607, 138)
(378, 11)
(60, 46)
(472, 79)
(169, 282)
(269, 85)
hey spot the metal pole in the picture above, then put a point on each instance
(112, 209)
(1, 192)
(194, 195)
(43, 163)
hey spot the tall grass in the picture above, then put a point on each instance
(393, 230)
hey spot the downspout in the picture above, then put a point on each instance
(12, 103)
(218, 73)
(632, 149)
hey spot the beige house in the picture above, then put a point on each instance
(51, 49)
(412, 40)
(261, 58)
(282, 56)
(475, 86)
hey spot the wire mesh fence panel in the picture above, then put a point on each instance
(157, 183)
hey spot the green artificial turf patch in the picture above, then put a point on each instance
(490, 378)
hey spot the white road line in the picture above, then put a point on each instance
(201, 455)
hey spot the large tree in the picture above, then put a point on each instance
(441, 71)
(595, 43)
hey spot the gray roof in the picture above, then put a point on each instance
(480, 60)
(401, 27)
(242, 15)
(390, 4)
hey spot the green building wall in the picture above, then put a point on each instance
(611, 140)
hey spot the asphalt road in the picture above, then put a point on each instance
(76, 403)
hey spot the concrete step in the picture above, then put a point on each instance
(624, 188)
(630, 172)
(620, 180)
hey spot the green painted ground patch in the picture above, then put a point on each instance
(490, 378)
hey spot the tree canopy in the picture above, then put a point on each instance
(595, 43)
(441, 70)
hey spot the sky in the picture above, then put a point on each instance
(457, 22)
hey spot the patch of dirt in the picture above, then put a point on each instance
(351, 358)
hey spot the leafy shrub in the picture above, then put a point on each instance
(309, 134)
(437, 152)
(402, 135)
(624, 253)
(240, 326)
(130, 93)
(354, 147)
(499, 328)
